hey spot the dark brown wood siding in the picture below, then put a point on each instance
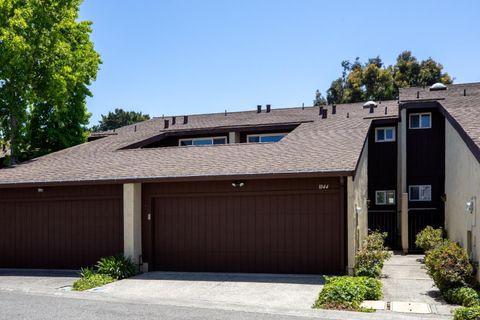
(382, 175)
(62, 227)
(272, 226)
(426, 166)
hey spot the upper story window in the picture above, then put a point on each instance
(386, 134)
(420, 120)
(265, 138)
(385, 197)
(202, 141)
(420, 193)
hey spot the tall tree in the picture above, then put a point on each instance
(47, 62)
(375, 81)
(119, 118)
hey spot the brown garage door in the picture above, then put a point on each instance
(265, 227)
(61, 227)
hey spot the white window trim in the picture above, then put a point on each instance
(385, 140)
(265, 135)
(419, 185)
(196, 139)
(386, 202)
(420, 120)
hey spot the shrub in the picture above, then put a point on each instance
(467, 297)
(347, 293)
(86, 272)
(472, 313)
(117, 267)
(429, 238)
(370, 259)
(448, 265)
(92, 281)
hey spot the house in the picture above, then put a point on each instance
(290, 190)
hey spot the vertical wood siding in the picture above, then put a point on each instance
(62, 227)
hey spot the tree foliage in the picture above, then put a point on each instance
(47, 62)
(119, 118)
(375, 81)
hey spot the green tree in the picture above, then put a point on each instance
(119, 118)
(319, 99)
(47, 62)
(375, 81)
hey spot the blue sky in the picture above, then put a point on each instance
(187, 56)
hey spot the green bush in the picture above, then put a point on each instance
(92, 281)
(117, 267)
(429, 238)
(449, 266)
(347, 293)
(370, 259)
(467, 297)
(87, 272)
(472, 313)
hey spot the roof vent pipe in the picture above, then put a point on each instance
(324, 114)
(418, 94)
(185, 119)
(464, 92)
(371, 109)
(174, 120)
(334, 108)
(259, 108)
(135, 129)
(348, 115)
(269, 108)
(303, 106)
(386, 110)
(225, 112)
(165, 124)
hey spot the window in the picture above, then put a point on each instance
(202, 141)
(420, 120)
(265, 138)
(420, 193)
(385, 197)
(386, 134)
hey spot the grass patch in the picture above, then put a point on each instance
(92, 281)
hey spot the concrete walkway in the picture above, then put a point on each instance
(405, 280)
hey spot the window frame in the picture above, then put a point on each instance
(386, 198)
(394, 138)
(419, 114)
(203, 138)
(260, 135)
(419, 186)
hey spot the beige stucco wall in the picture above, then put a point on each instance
(357, 212)
(462, 182)
(132, 221)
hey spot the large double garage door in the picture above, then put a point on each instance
(277, 226)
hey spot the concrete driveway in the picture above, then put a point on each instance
(264, 292)
(36, 281)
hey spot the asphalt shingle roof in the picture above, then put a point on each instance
(316, 146)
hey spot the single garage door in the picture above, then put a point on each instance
(265, 226)
(59, 227)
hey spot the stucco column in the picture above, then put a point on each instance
(351, 227)
(405, 222)
(132, 221)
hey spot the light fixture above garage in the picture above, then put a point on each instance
(238, 184)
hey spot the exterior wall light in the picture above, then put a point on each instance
(40, 190)
(470, 205)
(238, 184)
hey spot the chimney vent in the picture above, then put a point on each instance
(320, 111)
(334, 108)
(269, 108)
(259, 108)
(324, 114)
(174, 120)
(166, 122)
(185, 119)
(348, 115)
(371, 109)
